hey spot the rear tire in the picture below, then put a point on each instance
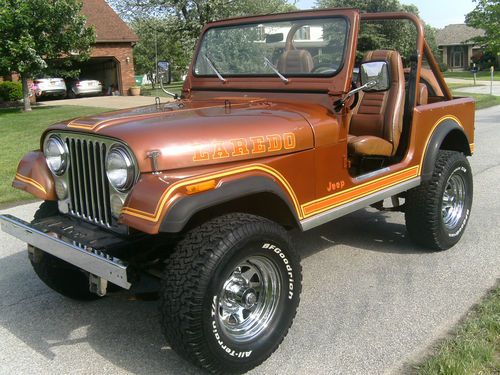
(57, 274)
(217, 308)
(438, 210)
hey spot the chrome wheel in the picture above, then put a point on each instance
(249, 299)
(453, 202)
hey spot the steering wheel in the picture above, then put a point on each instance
(324, 68)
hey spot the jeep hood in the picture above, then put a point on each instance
(192, 134)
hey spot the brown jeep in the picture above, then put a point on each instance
(284, 122)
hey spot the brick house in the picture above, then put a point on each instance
(112, 60)
(457, 50)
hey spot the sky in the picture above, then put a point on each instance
(437, 13)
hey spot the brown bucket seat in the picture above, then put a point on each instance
(295, 61)
(377, 122)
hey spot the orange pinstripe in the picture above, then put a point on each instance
(31, 182)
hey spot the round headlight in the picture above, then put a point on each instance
(120, 168)
(56, 154)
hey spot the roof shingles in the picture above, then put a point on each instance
(457, 33)
(109, 27)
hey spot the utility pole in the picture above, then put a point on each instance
(156, 55)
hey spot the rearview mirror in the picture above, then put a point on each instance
(375, 75)
(274, 38)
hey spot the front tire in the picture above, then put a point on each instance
(230, 293)
(438, 210)
(57, 274)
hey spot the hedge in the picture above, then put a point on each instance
(11, 91)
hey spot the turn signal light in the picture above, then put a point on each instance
(202, 186)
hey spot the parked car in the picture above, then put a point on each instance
(84, 87)
(45, 87)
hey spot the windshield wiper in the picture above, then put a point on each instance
(270, 64)
(212, 66)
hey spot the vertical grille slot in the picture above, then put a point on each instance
(88, 184)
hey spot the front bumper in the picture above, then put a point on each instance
(72, 249)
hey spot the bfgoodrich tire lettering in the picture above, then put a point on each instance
(438, 211)
(216, 271)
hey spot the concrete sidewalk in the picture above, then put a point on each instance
(114, 102)
(482, 87)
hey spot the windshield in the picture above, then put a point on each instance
(304, 47)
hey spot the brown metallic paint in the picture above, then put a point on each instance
(34, 177)
(314, 175)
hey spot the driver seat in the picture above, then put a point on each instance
(295, 61)
(377, 122)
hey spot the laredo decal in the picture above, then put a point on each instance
(242, 146)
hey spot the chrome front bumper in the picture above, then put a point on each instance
(95, 261)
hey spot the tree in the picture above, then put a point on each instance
(486, 16)
(156, 41)
(177, 25)
(395, 34)
(37, 34)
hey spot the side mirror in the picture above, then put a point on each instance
(165, 75)
(374, 76)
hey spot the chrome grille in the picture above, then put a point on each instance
(89, 196)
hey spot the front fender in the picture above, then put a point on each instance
(34, 177)
(157, 204)
(185, 208)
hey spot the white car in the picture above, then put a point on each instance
(49, 87)
(84, 87)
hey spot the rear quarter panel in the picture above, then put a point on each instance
(426, 118)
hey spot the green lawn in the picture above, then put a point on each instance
(454, 86)
(20, 132)
(483, 75)
(482, 100)
(474, 347)
(175, 88)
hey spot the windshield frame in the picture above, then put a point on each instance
(317, 76)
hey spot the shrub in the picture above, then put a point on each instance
(443, 66)
(11, 91)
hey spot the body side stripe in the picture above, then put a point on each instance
(169, 191)
(358, 192)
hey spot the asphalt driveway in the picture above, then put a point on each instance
(372, 302)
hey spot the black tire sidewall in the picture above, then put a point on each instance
(224, 348)
(458, 165)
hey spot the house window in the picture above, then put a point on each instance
(304, 33)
